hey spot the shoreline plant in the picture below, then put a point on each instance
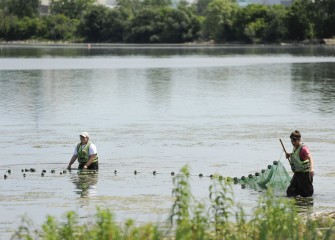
(273, 218)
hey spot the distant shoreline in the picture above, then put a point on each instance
(34, 43)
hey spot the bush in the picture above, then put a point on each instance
(60, 27)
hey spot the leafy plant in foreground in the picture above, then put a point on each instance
(221, 197)
(274, 218)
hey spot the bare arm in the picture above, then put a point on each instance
(90, 160)
(311, 162)
(73, 159)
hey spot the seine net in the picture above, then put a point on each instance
(274, 176)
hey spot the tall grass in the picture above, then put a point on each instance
(273, 218)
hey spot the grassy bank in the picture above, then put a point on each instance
(222, 218)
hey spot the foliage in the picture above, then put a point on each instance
(299, 22)
(222, 202)
(258, 23)
(324, 17)
(3, 4)
(183, 197)
(23, 28)
(70, 8)
(103, 227)
(275, 30)
(165, 21)
(273, 218)
(101, 24)
(93, 22)
(162, 25)
(251, 23)
(220, 16)
(114, 26)
(145, 26)
(23, 8)
(60, 27)
(130, 7)
(157, 3)
(181, 209)
(254, 30)
(180, 25)
(201, 6)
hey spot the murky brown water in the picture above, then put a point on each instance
(152, 108)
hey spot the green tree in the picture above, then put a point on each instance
(251, 22)
(93, 22)
(24, 28)
(157, 3)
(145, 26)
(324, 17)
(11, 32)
(299, 21)
(70, 8)
(201, 6)
(220, 16)
(254, 30)
(23, 8)
(3, 4)
(180, 25)
(129, 7)
(61, 27)
(114, 26)
(275, 29)
(101, 24)
(3, 18)
(163, 25)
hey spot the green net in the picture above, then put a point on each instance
(274, 176)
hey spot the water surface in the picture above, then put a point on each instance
(156, 108)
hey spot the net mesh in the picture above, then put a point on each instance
(274, 176)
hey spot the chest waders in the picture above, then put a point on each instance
(83, 153)
(299, 165)
(302, 182)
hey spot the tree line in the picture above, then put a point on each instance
(165, 21)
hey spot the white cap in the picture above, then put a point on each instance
(84, 134)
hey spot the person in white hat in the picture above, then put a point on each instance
(86, 153)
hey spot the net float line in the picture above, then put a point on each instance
(274, 175)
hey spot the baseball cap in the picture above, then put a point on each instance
(84, 134)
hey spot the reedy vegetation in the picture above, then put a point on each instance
(161, 21)
(273, 218)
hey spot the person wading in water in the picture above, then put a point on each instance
(86, 152)
(303, 167)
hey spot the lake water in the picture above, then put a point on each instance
(157, 108)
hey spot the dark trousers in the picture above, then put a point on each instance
(301, 184)
(93, 166)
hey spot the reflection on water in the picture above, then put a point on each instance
(305, 205)
(85, 182)
(159, 50)
(159, 87)
(317, 83)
